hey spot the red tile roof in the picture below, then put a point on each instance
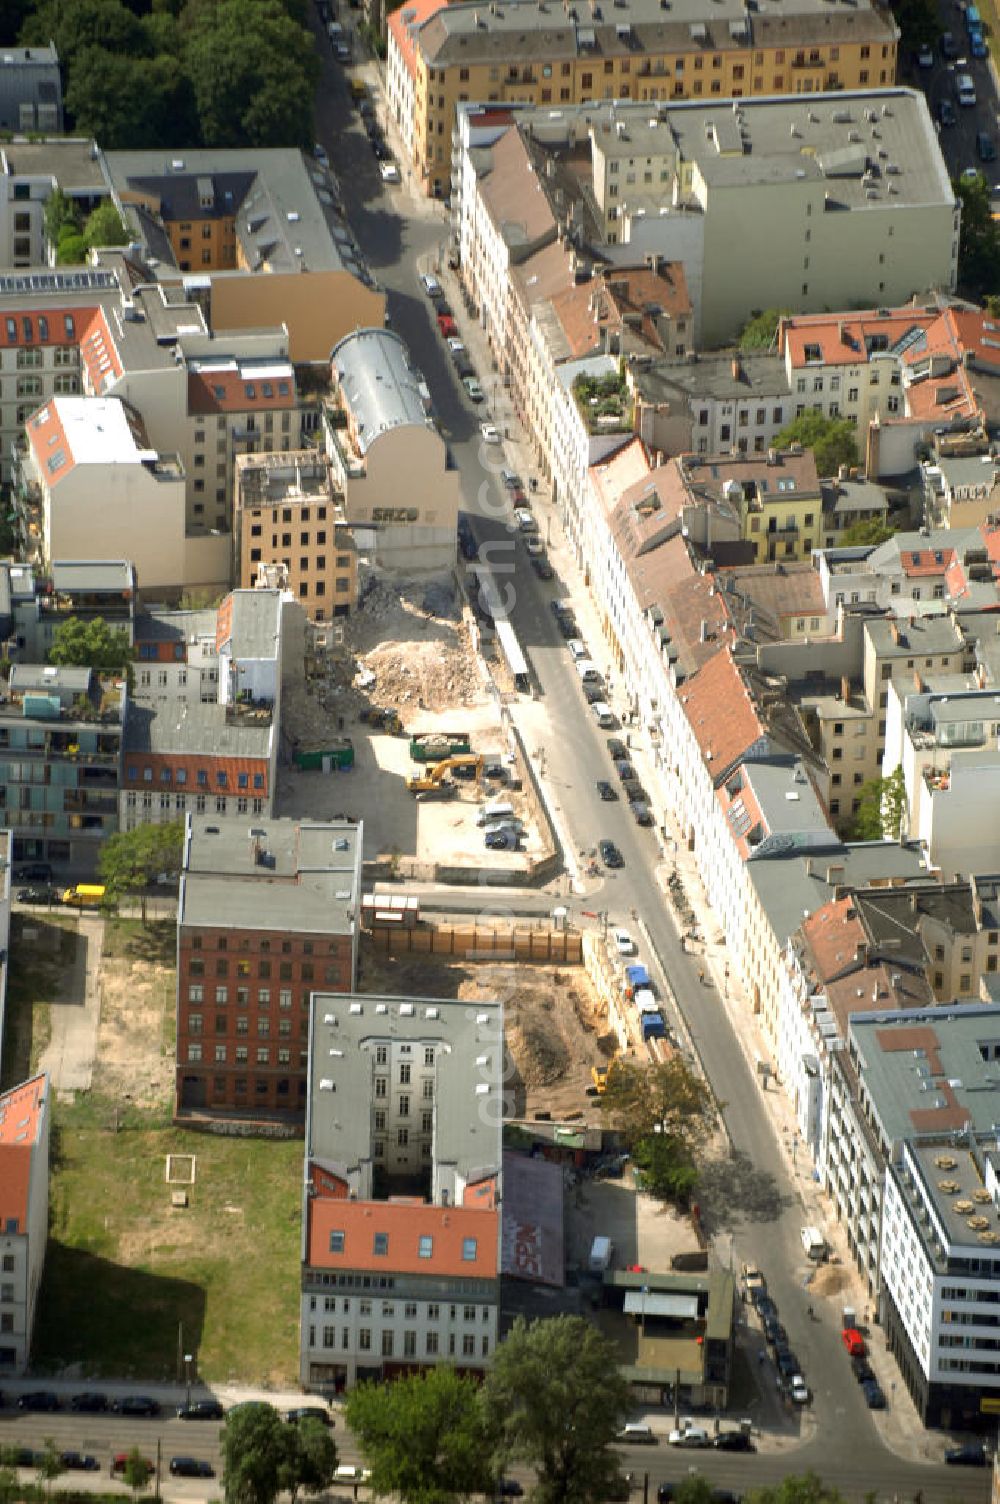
(20, 1121)
(453, 1230)
(721, 713)
(165, 766)
(229, 391)
(926, 563)
(99, 353)
(841, 339)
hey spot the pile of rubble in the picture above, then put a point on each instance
(405, 647)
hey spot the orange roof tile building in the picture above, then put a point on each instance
(401, 1212)
(24, 1214)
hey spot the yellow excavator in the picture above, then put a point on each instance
(424, 782)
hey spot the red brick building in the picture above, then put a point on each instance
(268, 913)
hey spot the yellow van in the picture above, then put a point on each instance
(359, 90)
(83, 896)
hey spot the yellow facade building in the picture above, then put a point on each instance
(545, 53)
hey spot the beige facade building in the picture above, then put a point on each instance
(290, 519)
(387, 459)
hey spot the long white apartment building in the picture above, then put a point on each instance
(921, 1089)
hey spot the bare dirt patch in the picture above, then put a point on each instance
(135, 1055)
(552, 1020)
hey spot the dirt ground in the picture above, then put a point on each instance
(135, 1040)
(406, 646)
(554, 1028)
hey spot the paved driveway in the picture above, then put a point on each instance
(75, 1013)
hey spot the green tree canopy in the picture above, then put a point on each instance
(978, 241)
(918, 22)
(833, 441)
(50, 1465)
(871, 531)
(91, 644)
(77, 24)
(759, 332)
(797, 1488)
(59, 214)
(310, 1459)
(128, 102)
(423, 1437)
(667, 1098)
(253, 72)
(104, 226)
(665, 1167)
(255, 1443)
(136, 1470)
(881, 807)
(555, 1399)
(131, 860)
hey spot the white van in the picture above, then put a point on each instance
(588, 671)
(637, 1433)
(813, 1244)
(645, 1002)
(577, 648)
(603, 715)
(965, 89)
(495, 811)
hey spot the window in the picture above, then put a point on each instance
(425, 1247)
(380, 1246)
(431, 1344)
(469, 1250)
(387, 1337)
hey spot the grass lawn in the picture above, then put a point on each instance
(125, 1269)
(42, 953)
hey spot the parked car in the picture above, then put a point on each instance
(79, 1462)
(925, 57)
(624, 769)
(191, 1467)
(137, 1404)
(503, 840)
(542, 567)
(624, 944)
(874, 1398)
(447, 325)
(37, 895)
(985, 148)
(39, 1399)
(389, 172)
(431, 286)
(786, 1363)
(511, 480)
(474, 390)
(734, 1441)
(535, 547)
(201, 1410)
(977, 44)
(969, 1454)
(853, 1341)
(765, 1306)
(90, 1402)
(638, 1433)
(509, 1488)
(526, 520)
(641, 812)
(309, 1412)
(490, 433)
(774, 1332)
(33, 872)
(798, 1390)
(606, 790)
(610, 855)
(863, 1370)
(946, 113)
(455, 345)
(689, 1436)
(351, 1472)
(24, 1457)
(948, 45)
(617, 749)
(120, 1459)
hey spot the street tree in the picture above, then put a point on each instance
(666, 1098)
(255, 1445)
(554, 1399)
(694, 1490)
(665, 1168)
(796, 1488)
(131, 860)
(10, 1485)
(50, 1465)
(760, 331)
(833, 441)
(881, 808)
(91, 644)
(136, 1471)
(978, 238)
(310, 1460)
(423, 1436)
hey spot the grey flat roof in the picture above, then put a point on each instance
(187, 726)
(959, 471)
(792, 887)
(161, 624)
(904, 1076)
(785, 796)
(75, 162)
(93, 574)
(378, 383)
(922, 634)
(309, 882)
(711, 376)
(955, 1189)
(39, 678)
(256, 623)
(467, 1105)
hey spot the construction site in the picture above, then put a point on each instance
(398, 723)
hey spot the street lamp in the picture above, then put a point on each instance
(188, 1360)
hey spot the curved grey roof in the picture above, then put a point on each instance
(378, 383)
